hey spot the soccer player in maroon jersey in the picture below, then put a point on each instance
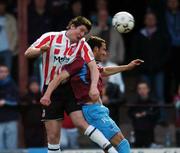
(95, 113)
(58, 49)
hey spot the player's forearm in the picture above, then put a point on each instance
(32, 52)
(94, 73)
(56, 82)
(52, 86)
(115, 69)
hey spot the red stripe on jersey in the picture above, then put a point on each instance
(43, 42)
(86, 55)
(70, 52)
(80, 48)
(59, 39)
(56, 51)
(52, 73)
(67, 48)
(47, 60)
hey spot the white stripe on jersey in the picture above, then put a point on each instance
(61, 52)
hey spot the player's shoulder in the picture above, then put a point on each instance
(86, 45)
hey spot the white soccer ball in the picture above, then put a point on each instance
(123, 22)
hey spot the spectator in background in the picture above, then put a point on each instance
(39, 22)
(31, 116)
(69, 134)
(59, 10)
(99, 5)
(74, 10)
(113, 38)
(112, 98)
(153, 46)
(173, 24)
(144, 116)
(9, 114)
(176, 101)
(8, 36)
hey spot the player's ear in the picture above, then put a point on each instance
(95, 50)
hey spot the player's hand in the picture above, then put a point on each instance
(94, 93)
(135, 63)
(44, 48)
(45, 100)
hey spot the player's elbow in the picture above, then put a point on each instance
(27, 53)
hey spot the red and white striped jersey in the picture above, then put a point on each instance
(61, 52)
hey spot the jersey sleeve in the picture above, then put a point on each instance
(74, 67)
(86, 53)
(44, 39)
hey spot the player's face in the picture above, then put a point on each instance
(78, 33)
(101, 54)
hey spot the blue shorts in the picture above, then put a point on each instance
(98, 116)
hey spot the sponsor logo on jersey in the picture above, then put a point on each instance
(61, 60)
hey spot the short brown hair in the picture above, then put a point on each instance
(80, 20)
(95, 41)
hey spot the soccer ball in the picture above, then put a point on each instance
(123, 22)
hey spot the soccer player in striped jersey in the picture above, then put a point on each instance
(58, 49)
(94, 112)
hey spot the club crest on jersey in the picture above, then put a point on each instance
(61, 60)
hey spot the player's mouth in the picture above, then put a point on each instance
(78, 37)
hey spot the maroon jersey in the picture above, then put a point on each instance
(81, 80)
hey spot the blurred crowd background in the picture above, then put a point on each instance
(144, 102)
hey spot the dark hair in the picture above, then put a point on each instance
(142, 81)
(3, 2)
(95, 41)
(3, 65)
(78, 21)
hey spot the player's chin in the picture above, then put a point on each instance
(94, 99)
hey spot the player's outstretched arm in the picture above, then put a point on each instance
(117, 69)
(45, 100)
(93, 92)
(32, 52)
